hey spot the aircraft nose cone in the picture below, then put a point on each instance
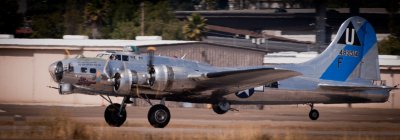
(56, 71)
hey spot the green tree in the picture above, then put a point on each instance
(47, 18)
(9, 18)
(47, 26)
(210, 4)
(182, 5)
(390, 46)
(73, 18)
(392, 6)
(125, 30)
(194, 27)
(95, 15)
(173, 31)
(160, 20)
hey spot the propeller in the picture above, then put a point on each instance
(117, 76)
(150, 65)
(59, 71)
(117, 81)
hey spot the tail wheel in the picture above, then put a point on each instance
(159, 116)
(113, 116)
(221, 107)
(314, 114)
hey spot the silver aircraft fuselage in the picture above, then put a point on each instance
(346, 72)
(92, 76)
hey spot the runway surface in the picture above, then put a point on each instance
(275, 122)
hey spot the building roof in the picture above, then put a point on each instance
(87, 42)
(99, 44)
(252, 34)
(294, 57)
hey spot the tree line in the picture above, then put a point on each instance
(100, 19)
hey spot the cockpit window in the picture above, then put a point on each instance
(125, 58)
(118, 57)
(103, 56)
(83, 70)
(70, 68)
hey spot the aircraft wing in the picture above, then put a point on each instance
(354, 87)
(241, 79)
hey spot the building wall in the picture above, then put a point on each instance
(392, 78)
(24, 75)
(216, 55)
(16, 75)
(25, 78)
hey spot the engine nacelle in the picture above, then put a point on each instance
(123, 81)
(169, 78)
(164, 77)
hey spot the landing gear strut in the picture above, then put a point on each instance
(314, 114)
(115, 114)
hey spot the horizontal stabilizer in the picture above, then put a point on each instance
(354, 87)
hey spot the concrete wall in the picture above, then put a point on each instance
(24, 75)
(392, 78)
(25, 78)
(216, 55)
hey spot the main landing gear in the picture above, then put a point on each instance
(159, 116)
(115, 114)
(314, 114)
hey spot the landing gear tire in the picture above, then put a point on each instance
(159, 116)
(221, 107)
(314, 114)
(113, 116)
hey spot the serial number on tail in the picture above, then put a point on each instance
(351, 53)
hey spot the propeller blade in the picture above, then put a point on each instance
(150, 65)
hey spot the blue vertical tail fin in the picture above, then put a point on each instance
(352, 55)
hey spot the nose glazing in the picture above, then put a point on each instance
(56, 71)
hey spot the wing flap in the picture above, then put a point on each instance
(236, 80)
